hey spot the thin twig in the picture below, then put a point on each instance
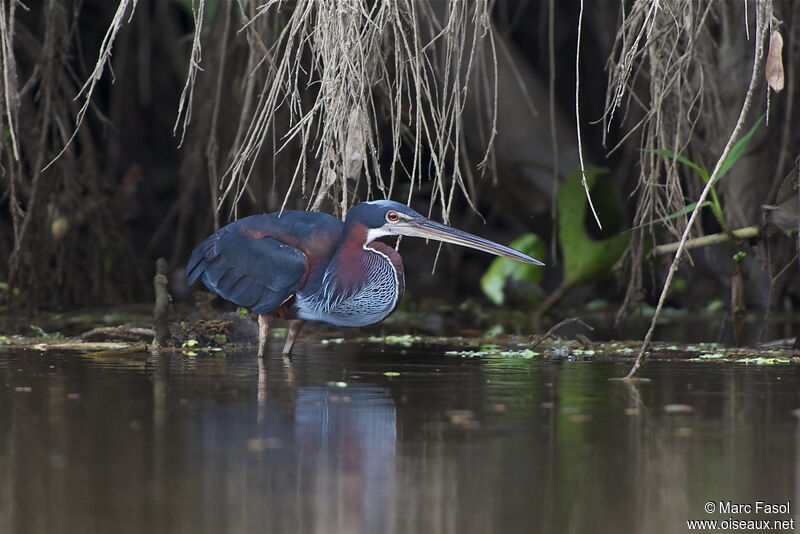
(195, 58)
(551, 333)
(10, 91)
(706, 240)
(773, 282)
(103, 58)
(578, 117)
(551, 90)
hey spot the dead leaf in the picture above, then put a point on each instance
(774, 68)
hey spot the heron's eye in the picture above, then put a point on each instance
(392, 216)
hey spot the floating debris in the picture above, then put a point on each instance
(521, 353)
(466, 353)
(764, 361)
(405, 341)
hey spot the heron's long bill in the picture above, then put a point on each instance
(428, 229)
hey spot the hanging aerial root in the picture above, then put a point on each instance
(761, 30)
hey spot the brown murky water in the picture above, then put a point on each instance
(332, 444)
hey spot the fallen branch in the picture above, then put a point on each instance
(118, 331)
(707, 240)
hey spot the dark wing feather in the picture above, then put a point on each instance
(249, 270)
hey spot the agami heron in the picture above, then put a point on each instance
(307, 266)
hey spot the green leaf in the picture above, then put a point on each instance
(738, 150)
(585, 258)
(501, 270)
(687, 209)
(682, 159)
(38, 330)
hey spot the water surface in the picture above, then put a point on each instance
(331, 443)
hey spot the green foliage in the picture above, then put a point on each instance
(738, 149)
(680, 286)
(41, 333)
(733, 156)
(493, 332)
(686, 209)
(585, 258)
(503, 270)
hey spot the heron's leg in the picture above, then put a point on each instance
(295, 325)
(263, 332)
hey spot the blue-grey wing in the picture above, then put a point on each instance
(247, 268)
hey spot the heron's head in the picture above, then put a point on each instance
(386, 217)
